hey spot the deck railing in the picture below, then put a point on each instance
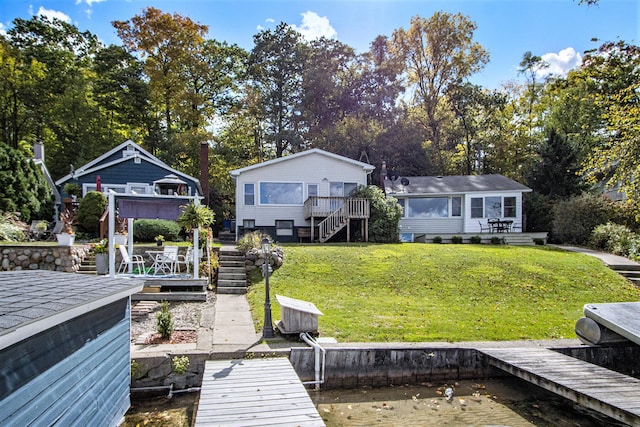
(317, 206)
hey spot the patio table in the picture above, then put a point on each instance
(500, 225)
(161, 263)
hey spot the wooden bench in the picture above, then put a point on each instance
(304, 233)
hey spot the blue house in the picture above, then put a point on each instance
(65, 348)
(130, 169)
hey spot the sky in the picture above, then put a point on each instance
(559, 31)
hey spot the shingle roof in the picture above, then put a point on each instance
(452, 184)
(33, 301)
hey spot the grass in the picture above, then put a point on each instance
(426, 292)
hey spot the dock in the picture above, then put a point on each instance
(602, 390)
(254, 392)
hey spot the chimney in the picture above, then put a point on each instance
(204, 171)
(38, 150)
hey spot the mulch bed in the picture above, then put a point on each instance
(177, 337)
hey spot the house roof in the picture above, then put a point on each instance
(98, 163)
(47, 176)
(367, 167)
(34, 301)
(430, 185)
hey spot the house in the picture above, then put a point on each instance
(65, 350)
(130, 169)
(302, 196)
(441, 205)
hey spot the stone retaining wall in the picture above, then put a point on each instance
(255, 259)
(53, 258)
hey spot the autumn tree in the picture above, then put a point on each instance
(437, 52)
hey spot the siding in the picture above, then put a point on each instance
(419, 226)
(311, 169)
(88, 386)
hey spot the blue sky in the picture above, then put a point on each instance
(558, 30)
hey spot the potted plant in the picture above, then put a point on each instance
(195, 217)
(159, 239)
(101, 251)
(67, 235)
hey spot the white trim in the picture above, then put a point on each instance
(367, 167)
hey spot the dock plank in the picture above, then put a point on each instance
(608, 392)
(254, 392)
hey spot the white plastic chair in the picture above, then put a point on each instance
(185, 260)
(135, 260)
(170, 256)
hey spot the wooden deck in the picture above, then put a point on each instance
(594, 387)
(254, 392)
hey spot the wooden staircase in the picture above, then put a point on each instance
(331, 225)
(232, 274)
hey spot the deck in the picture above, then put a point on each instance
(254, 392)
(592, 386)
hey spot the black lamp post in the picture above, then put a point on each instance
(267, 328)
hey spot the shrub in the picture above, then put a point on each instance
(496, 240)
(539, 209)
(384, 217)
(90, 209)
(437, 239)
(456, 239)
(613, 238)
(179, 365)
(252, 240)
(145, 230)
(164, 321)
(574, 219)
(11, 228)
(475, 240)
(538, 241)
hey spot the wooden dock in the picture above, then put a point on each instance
(254, 392)
(592, 386)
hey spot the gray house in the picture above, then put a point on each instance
(65, 349)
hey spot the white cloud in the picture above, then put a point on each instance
(89, 2)
(270, 20)
(53, 14)
(3, 29)
(314, 27)
(560, 63)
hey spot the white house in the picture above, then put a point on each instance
(285, 196)
(449, 205)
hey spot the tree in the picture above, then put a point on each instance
(437, 52)
(23, 187)
(385, 215)
(276, 68)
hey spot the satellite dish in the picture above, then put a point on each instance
(404, 181)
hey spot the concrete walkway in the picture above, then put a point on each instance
(233, 328)
(610, 260)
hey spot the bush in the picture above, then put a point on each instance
(385, 215)
(475, 240)
(90, 209)
(539, 211)
(574, 219)
(11, 228)
(613, 238)
(538, 242)
(437, 239)
(252, 240)
(164, 321)
(496, 240)
(145, 230)
(456, 239)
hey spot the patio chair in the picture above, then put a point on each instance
(57, 229)
(483, 228)
(185, 260)
(134, 260)
(38, 229)
(171, 257)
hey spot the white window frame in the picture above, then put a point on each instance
(284, 231)
(245, 194)
(260, 195)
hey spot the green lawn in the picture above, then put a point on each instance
(426, 292)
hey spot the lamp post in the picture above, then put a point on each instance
(267, 328)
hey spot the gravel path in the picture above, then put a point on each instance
(186, 315)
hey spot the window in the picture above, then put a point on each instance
(312, 191)
(248, 223)
(493, 207)
(402, 202)
(509, 207)
(249, 195)
(284, 228)
(342, 189)
(456, 206)
(428, 207)
(281, 193)
(477, 210)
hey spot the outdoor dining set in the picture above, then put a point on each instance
(163, 262)
(497, 225)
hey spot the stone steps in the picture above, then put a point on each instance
(88, 264)
(232, 275)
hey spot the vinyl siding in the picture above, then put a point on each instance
(311, 169)
(89, 386)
